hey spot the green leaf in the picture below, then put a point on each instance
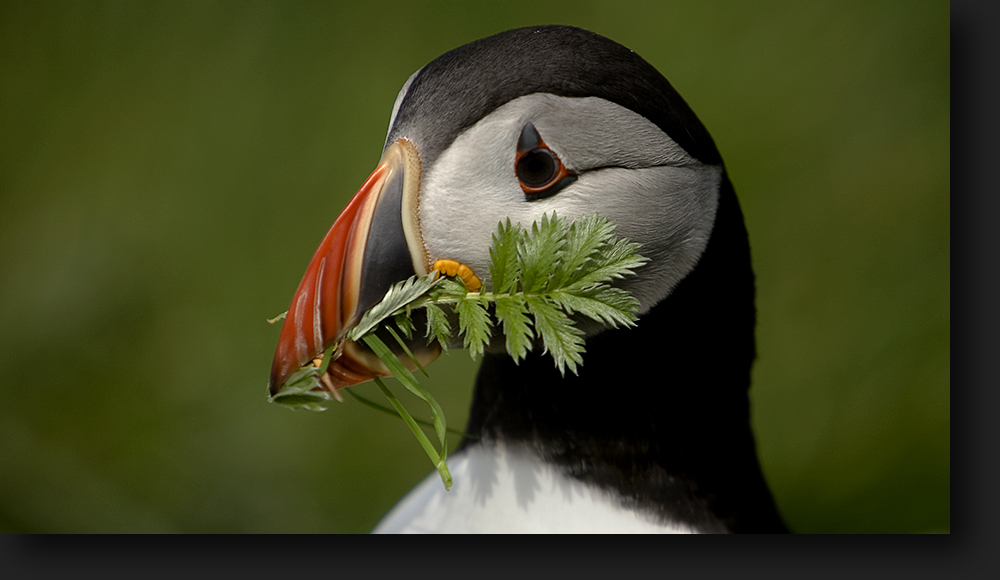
(437, 459)
(398, 296)
(474, 324)
(298, 391)
(584, 239)
(541, 278)
(613, 261)
(562, 340)
(438, 326)
(504, 269)
(539, 253)
(406, 378)
(511, 312)
(447, 290)
(406, 349)
(611, 306)
(303, 390)
(403, 323)
(390, 411)
(327, 359)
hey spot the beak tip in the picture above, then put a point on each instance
(273, 385)
(281, 370)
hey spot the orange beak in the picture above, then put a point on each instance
(372, 245)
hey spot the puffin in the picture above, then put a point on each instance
(652, 434)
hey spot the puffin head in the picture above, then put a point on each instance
(533, 121)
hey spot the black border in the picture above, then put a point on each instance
(975, 404)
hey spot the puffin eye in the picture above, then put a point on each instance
(538, 168)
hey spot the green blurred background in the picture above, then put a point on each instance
(168, 168)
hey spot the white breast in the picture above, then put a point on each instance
(504, 490)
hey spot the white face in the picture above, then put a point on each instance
(628, 171)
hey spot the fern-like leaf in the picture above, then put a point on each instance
(403, 323)
(562, 341)
(584, 239)
(504, 269)
(398, 296)
(447, 290)
(613, 261)
(438, 326)
(541, 278)
(540, 252)
(474, 324)
(613, 307)
(510, 311)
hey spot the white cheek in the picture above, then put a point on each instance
(669, 210)
(472, 186)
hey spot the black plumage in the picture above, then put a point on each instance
(673, 438)
(460, 87)
(659, 414)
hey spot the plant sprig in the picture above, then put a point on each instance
(541, 279)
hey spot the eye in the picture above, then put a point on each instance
(538, 168)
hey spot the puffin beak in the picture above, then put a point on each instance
(374, 243)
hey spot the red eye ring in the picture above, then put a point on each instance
(539, 170)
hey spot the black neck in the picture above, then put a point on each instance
(659, 413)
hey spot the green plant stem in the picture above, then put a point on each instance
(389, 411)
(436, 459)
(406, 349)
(404, 376)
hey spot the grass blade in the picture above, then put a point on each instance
(406, 349)
(392, 412)
(406, 378)
(436, 459)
